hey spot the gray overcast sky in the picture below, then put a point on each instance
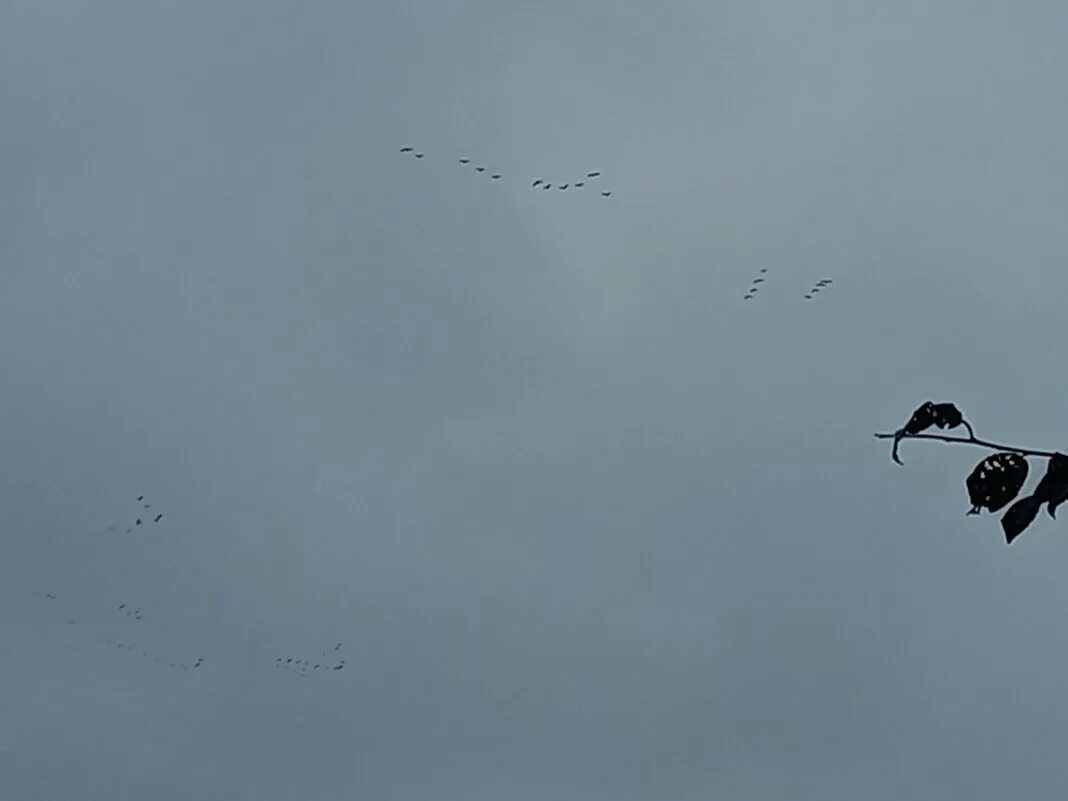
(589, 525)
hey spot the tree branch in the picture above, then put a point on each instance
(969, 440)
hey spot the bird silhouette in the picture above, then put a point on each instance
(137, 522)
(808, 297)
(592, 174)
(565, 186)
(480, 169)
(140, 497)
(579, 185)
(758, 280)
(158, 517)
(465, 161)
(547, 186)
(606, 194)
(495, 176)
(418, 155)
(406, 150)
(538, 181)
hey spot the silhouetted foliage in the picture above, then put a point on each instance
(998, 478)
(995, 481)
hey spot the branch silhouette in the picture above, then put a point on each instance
(998, 478)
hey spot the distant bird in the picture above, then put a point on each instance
(746, 297)
(158, 517)
(50, 596)
(592, 174)
(289, 660)
(815, 289)
(418, 155)
(406, 150)
(808, 297)
(758, 280)
(122, 606)
(316, 667)
(198, 663)
(495, 176)
(140, 497)
(465, 161)
(579, 185)
(565, 186)
(763, 269)
(547, 186)
(480, 169)
(536, 183)
(339, 667)
(337, 647)
(137, 522)
(606, 194)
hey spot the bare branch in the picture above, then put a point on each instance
(969, 440)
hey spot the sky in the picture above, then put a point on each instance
(587, 524)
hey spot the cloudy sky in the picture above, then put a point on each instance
(588, 525)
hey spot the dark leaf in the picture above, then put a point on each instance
(1020, 515)
(995, 481)
(947, 415)
(922, 419)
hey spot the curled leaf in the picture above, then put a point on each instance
(995, 481)
(1051, 490)
(922, 419)
(946, 415)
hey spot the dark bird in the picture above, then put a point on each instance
(592, 174)
(337, 647)
(480, 169)
(50, 596)
(579, 185)
(158, 517)
(814, 290)
(606, 194)
(547, 186)
(198, 663)
(536, 183)
(406, 150)
(418, 155)
(146, 505)
(316, 667)
(808, 297)
(122, 606)
(137, 522)
(565, 186)
(758, 280)
(288, 661)
(746, 297)
(1052, 490)
(763, 269)
(465, 161)
(140, 497)
(339, 667)
(495, 176)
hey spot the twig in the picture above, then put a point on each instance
(969, 440)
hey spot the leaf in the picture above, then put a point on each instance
(946, 415)
(922, 419)
(995, 481)
(1020, 515)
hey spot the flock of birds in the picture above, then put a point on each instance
(328, 660)
(578, 184)
(138, 520)
(751, 293)
(538, 183)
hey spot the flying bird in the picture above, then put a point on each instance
(547, 186)
(406, 150)
(536, 183)
(480, 169)
(158, 517)
(808, 297)
(592, 174)
(495, 176)
(606, 194)
(763, 269)
(746, 297)
(140, 497)
(137, 522)
(758, 280)
(418, 155)
(579, 185)
(465, 161)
